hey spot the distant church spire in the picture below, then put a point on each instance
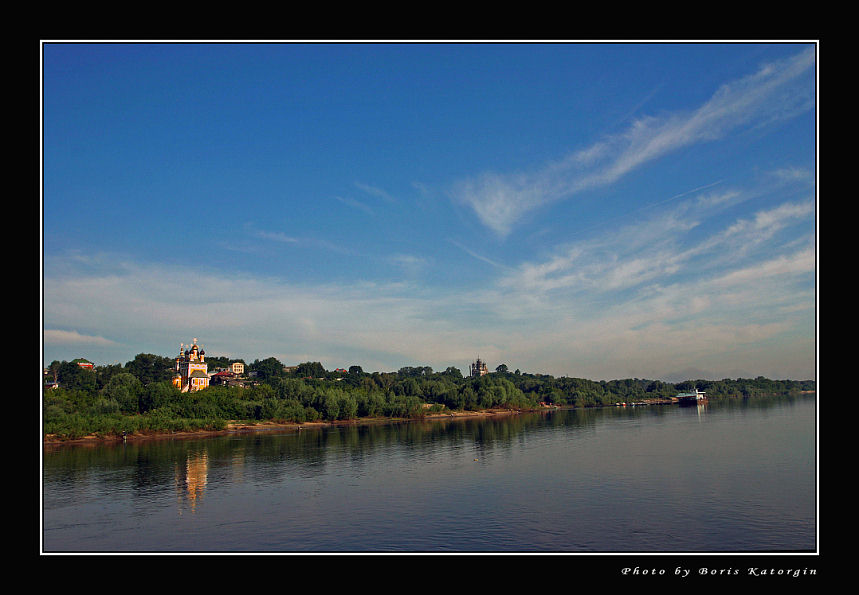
(478, 368)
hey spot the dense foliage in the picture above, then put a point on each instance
(139, 397)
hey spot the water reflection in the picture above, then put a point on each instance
(605, 479)
(305, 454)
(191, 479)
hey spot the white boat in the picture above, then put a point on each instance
(691, 397)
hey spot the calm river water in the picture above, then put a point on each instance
(732, 476)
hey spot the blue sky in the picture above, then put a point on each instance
(596, 210)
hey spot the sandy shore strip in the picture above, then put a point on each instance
(268, 426)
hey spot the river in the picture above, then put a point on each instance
(728, 476)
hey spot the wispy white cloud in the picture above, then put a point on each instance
(283, 238)
(261, 234)
(377, 192)
(276, 236)
(666, 244)
(372, 191)
(745, 235)
(793, 174)
(409, 264)
(478, 256)
(801, 262)
(74, 338)
(355, 204)
(770, 94)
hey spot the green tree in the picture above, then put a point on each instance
(148, 368)
(469, 398)
(125, 389)
(105, 373)
(453, 372)
(270, 367)
(311, 370)
(330, 405)
(156, 395)
(71, 376)
(54, 370)
(348, 406)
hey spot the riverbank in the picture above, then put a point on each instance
(236, 427)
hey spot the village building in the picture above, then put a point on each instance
(223, 377)
(227, 378)
(191, 369)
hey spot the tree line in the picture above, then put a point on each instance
(139, 396)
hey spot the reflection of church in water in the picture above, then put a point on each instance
(191, 478)
(191, 369)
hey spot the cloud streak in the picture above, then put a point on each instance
(666, 245)
(61, 337)
(768, 95)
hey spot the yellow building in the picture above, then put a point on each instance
(191, 369)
